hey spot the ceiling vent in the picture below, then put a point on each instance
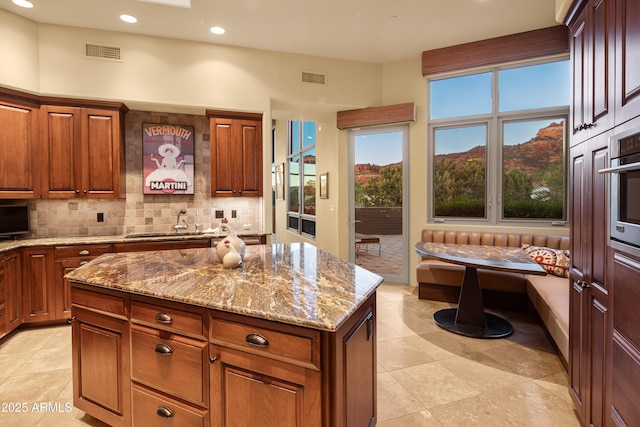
(96, 51)
(316, 78)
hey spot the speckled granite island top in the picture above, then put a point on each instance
(294, 283)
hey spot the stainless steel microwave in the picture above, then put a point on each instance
(625, 187)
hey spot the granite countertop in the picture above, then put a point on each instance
(7, 245)
(295, 283)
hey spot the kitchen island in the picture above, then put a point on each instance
(174, 338)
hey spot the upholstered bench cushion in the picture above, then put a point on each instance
(444, 273)
(550, 296)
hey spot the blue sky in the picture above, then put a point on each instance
(544, 85)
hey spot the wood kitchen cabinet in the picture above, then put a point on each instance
(592, 40)
(623, 409)
(19, 146)
(82, 151)
(100, 343)
(627, 66)
(66, 259)
(590, 293)
(256, 364)
(11, 267)
(140, 360)
(38, 290)
(236, 154)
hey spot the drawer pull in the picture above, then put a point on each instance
(164, 412)
(163, 349)
(257, 340)
(163, 318)
(84, 252)
(82, 262)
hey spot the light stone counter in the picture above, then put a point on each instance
(296, 283)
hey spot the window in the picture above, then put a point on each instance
(301, 159)
(497, 144)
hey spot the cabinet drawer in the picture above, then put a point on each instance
(287, 347)
(170, 363)
(111, 303)
(152, 409)
(81, 251)
(169, 318)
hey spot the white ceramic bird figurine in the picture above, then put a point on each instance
(232, 259)
(235, 241)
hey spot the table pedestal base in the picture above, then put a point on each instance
(496, 327)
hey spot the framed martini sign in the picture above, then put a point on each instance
(167, 159)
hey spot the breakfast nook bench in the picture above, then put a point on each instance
(549, 295)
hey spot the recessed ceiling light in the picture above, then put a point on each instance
(129, 19)
(217, 30)
(23, 3)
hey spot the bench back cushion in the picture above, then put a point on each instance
(495, 239)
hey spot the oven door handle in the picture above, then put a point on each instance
(621, 169)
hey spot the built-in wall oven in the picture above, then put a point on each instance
(625, 187)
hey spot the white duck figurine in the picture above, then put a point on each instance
(232, 259)
(222, 249)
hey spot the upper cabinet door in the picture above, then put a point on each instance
(627, 60)
(101, 166)
(60, 139)
(19, 152)
(592, 58)
(236, 154)
(250, 173)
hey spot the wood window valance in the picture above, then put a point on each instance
(515, 47)
(372, 116)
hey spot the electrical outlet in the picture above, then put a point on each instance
(100, 217)
(219, 214)
(234, 214)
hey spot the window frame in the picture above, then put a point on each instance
(299, 216)
(494, 209)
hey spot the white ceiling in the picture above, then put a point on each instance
(377, 31)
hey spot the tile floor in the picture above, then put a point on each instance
(426, 376)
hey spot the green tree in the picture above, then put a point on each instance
(385, 191)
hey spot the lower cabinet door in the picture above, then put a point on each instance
(153, 409)
(249, 390)
(100, 351)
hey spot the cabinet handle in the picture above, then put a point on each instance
(84, 191)
(77, 191)
(163, 318)
(84, 252)
(82, 262)
(588, 125)
(257, 340)
(213, 359)
(70, 320)
(164, 412)
(163, 349)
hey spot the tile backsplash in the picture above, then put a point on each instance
(139, 213)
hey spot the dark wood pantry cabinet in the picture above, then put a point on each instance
(604, 346)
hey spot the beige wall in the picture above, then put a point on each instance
(19, 52)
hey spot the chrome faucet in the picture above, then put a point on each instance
(179, 226)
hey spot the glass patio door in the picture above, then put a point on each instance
(377, 196)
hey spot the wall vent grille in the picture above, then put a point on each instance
(315, 78)
(110, 53)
